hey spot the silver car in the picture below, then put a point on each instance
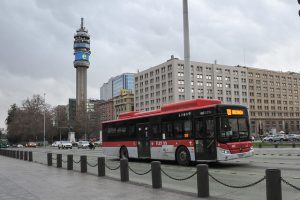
(83, 144)
(64, 145)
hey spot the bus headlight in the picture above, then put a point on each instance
(225, 151)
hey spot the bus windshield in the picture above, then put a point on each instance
(233, 129)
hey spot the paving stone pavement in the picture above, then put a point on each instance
(32, 181)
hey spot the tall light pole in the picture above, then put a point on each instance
(44, 120)
(187, 63)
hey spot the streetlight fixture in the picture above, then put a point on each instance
(44, 120)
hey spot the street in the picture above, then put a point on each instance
(236, 172)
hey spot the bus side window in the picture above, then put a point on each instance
(166, 130)
(210, 128)
(111, 133)
(155, 131)
(131, 132)
(178, 129)
(199, 128)
(187, 129)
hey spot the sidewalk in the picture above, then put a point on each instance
(31, 181)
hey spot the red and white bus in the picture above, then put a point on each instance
(193, 130)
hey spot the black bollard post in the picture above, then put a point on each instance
(58, 160)
(83, 162)
(30, 156)
(18, 155)
(124, 170)
(259, 145)
(70, 162)
(49, 159)
(25, 155)
(156, 174)
(21, 155)
(276, 145)
(273, 184)
(14, 153)
(101, 166)
(294, 145)
(202, 180)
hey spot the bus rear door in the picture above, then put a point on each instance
(205, 144)
(143, 140)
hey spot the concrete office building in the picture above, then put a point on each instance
(106, 110)
(81, 63)
(274, 100)
(106, 90)
(123, 103)
(165, 84)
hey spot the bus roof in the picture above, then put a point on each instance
(169, 108)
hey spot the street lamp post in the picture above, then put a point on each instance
(44, 120)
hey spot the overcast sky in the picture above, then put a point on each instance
(36, 40)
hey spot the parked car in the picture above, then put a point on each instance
(31, 144)
(64, 145)
(83, 144)
(20, 146)
(276, 138)
(55, 144)
(293, 137)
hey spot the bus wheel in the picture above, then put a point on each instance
(183, 156)
(123, 153)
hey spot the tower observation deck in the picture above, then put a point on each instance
(81, 63)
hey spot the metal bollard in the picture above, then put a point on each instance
(14, 153)
(259, 145)
(124, 170)
(18, 155)
(58, 160)
(294, 145)
(101, 166)
(156, 174)
(25, 155)
(49, 159)
(21, 155)
(83, 162)
(276, 145)
(202, 180)
(30, 156)
(273, 184)
(70, 162)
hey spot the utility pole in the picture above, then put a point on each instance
(187, 62)
(44, 120)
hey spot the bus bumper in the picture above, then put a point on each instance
(223, 154)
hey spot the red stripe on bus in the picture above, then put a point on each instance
(175, 143)
(119, 144)
(156, 143)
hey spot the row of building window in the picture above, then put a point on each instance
(273, 114)
(271, 77)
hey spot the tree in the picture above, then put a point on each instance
(27, 122)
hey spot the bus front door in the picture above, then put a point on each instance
(205, 145)
(143, 143)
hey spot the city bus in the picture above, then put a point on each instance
(203, 130)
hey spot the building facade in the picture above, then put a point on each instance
(165, 84)
(106, 110)
(272, 97)
(123, 81)
(106, 90)
(274, 100)
(123, 103)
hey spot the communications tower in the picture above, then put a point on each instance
(81, 63)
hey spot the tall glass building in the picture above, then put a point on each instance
(123, 81)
